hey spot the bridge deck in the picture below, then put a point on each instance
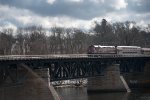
(63, 56)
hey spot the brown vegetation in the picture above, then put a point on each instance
(34, 40)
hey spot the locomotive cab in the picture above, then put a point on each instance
(91, 49)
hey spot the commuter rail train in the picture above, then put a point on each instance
(120, 50)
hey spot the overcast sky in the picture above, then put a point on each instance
(71, 13)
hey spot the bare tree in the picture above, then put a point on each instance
(104, 33)
(126, 33)
(6, 41)
(37, 40)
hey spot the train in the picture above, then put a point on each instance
(120, 50)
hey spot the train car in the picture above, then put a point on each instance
(146, 51)
(129, 50)
(120, 50)
(106, 50)
(98, 49)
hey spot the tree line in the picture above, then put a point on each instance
(36, 40)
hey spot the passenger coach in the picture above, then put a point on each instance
(120, 50)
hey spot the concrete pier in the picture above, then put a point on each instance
(147, 69)
(35, 87)
(110, 82)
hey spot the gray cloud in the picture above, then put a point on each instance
(24, 12)
(82, 10)
(139, 6)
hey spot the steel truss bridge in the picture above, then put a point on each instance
(64, 67)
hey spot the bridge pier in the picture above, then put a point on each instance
(33, 88)
(139, 80)
(110, 82)
(147, 69)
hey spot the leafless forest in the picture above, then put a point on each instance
(36, 40)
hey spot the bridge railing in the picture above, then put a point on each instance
(15, 57)
(42, 56)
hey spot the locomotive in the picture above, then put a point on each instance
(120, 50)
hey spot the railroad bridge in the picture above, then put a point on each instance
(64, 67)
(107, 67)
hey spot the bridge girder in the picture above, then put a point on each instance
(69, 68)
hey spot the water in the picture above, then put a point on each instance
(80, 93)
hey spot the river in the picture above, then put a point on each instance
(80, 93)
